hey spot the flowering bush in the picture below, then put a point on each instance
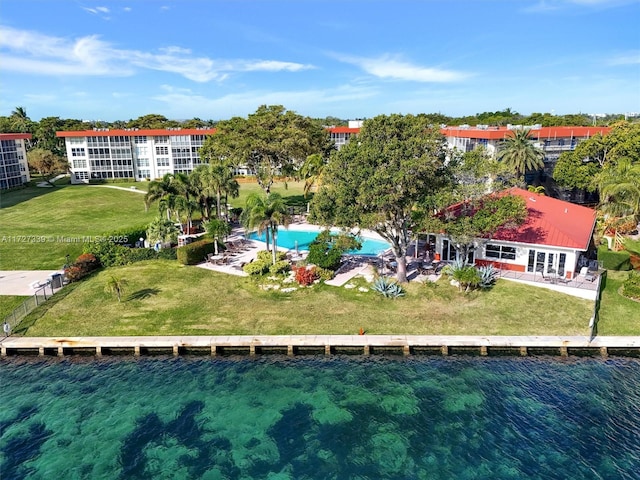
(305, 276)
(83, 266)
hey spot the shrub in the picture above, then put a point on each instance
(112, 255)
(126, 236)
(195, 252)
(256, 267)
(83, 266)
(631, 286)
(488, 276)
(305, 276)
(467, 276)
(267, 256)
(325, 274)
(281, 266)
(326, 250)
(614, 260)
(388, 288)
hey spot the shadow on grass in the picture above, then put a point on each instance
(144, 293)
(19, 195)
(298, 200)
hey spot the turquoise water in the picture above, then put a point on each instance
(288, 239)
(320, 417)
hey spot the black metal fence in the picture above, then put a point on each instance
(41, 295)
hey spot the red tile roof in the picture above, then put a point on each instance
(137, 133)
(343, 130)
(544, 133)
(15, 136)
(551, 222)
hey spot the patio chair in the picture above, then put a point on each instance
(586, 274)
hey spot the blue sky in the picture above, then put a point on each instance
(212, 59)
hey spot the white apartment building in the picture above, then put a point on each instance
(135, 154)
(14, 170)
(551, 140)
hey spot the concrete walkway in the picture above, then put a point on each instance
(18, 282)
(132, 188)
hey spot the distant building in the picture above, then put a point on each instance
(14, 170)
(138, 155)
(551, 140)
(132, 153)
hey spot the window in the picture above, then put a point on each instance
(142, 162)
(81, 175)
(79, 163)
(78, 152)
(162, 162)
(500, 251)
(162, 150)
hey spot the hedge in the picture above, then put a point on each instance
(614, 260)
(195, 252)
(112, 254)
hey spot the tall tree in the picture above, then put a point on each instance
(20, 120)
(218, 180)
(376, 180)
(46, 163)
(272, 141)
(265, 213)
(619, 187)
(311, 172)
(163, 191)
(520, 154)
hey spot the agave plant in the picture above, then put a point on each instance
(388, 288)
(488, 275)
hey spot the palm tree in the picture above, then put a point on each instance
(619, 187)
(163, 231)
(265, 213)
(217, 228)
(116, 285)
(311, 172)
(20, 120)
(161, 190)
(218, 180)
(519, 153)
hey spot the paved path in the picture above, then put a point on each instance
(17, 282)
(126, 189)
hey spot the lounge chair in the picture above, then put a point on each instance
(586, 274)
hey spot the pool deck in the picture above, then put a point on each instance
(298, 344)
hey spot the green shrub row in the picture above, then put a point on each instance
(195, 252)
(126, 236)
(111, 254)
(614, 260)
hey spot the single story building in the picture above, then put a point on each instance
(551, 241)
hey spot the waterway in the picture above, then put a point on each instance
(316, 417)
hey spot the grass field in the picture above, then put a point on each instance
(40, 226)
(164, 298)
(618, 315)
(8, 303)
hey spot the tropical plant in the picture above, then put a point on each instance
(520, 154)
(311, 172)
(466, 276)
(217, 180)
(217, 228)
(619, 187)
(488, 276)
(164, 191)
(163, 231)
(326, 250)
(116, 285)
(265, 213)
(387, 287)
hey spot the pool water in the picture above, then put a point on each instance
(288, 239)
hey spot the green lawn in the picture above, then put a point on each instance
(618, 315)
(293, 193)
(167, 299)
(8, 303)
(40, 226)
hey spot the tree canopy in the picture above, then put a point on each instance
(272, 141)
(377, 179)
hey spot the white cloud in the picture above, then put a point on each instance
(554, 5)
(127, 9)
(394, 68)
(35, 53)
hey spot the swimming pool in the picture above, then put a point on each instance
(288, 239)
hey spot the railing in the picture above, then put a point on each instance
(41, 295)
